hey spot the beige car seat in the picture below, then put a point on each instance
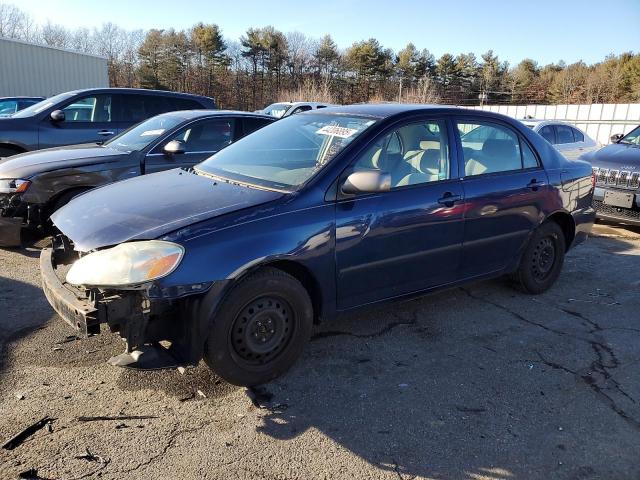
(496, 156)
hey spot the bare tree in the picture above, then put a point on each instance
(54, 35)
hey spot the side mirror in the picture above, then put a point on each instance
(174, 147)
(616, 138)
(367, 181)
(57, 116)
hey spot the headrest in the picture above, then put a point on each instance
(499, 148)
(429, 161)
(375, 160)
(429, 145)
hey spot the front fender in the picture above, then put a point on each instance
(305, 236)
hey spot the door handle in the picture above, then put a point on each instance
(105, 132)
(448, 199)
(534, 184)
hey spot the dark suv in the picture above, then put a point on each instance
(616, 168)
(86, 116)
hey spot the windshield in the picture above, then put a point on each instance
(633, 137)
(277, 109)
(140, 135)
(287, 153)
(43, 105)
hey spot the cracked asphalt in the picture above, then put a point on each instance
(480, 382)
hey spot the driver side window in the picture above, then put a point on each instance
(207, 136)
(96, 108)
(413, 154)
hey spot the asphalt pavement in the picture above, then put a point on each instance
(480, 382)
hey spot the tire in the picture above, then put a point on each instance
(260, 329)
(542, 260)
(61, 201)
(65, 198)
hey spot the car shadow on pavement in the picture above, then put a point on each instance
(23, 309)
(459, 384)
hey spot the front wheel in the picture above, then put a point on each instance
(542, 260)
(260, 329)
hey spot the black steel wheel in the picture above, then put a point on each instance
(260, 328)
(542, 259)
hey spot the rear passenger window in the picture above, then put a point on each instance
(253, 124)
(548, 135)
(300, 109)
(577, 135)
(183, 104)
(491, 148)
(133, 108)
(564, 133)
(155, 105)
(414, 154)
(529, 159)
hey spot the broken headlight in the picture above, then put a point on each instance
(127, 264)
(10, 185)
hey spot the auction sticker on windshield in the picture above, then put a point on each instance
(335, 131)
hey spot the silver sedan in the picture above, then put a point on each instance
(566, 138)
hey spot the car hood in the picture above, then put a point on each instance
(28, 164)
(146, 207)
(616, 155)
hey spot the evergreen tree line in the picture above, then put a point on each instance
(266, 65)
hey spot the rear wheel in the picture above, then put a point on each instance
(260, 329)
(542, 260)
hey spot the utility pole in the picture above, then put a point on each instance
(482, 96)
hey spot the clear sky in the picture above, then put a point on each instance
(545, 30)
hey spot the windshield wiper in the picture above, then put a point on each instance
(235, 182)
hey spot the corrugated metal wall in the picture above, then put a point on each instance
(599, 120)
(27, 69)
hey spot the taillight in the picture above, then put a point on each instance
(593, 179)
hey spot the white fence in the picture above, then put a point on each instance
(599, 120)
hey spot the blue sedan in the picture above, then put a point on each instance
(320, 213)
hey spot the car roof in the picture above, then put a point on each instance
(22, 97)
(166, 93)
(193, 114)
(308, 103)
(384, 110)
(534, 122)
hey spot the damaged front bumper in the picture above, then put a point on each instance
(142, 317)
(85, 310)
(15, 216)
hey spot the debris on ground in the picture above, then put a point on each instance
(90, 457)
(20, 396)
(182, 370)
(68, 338)
(115, 418)
(201, 393)
(17, 440)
